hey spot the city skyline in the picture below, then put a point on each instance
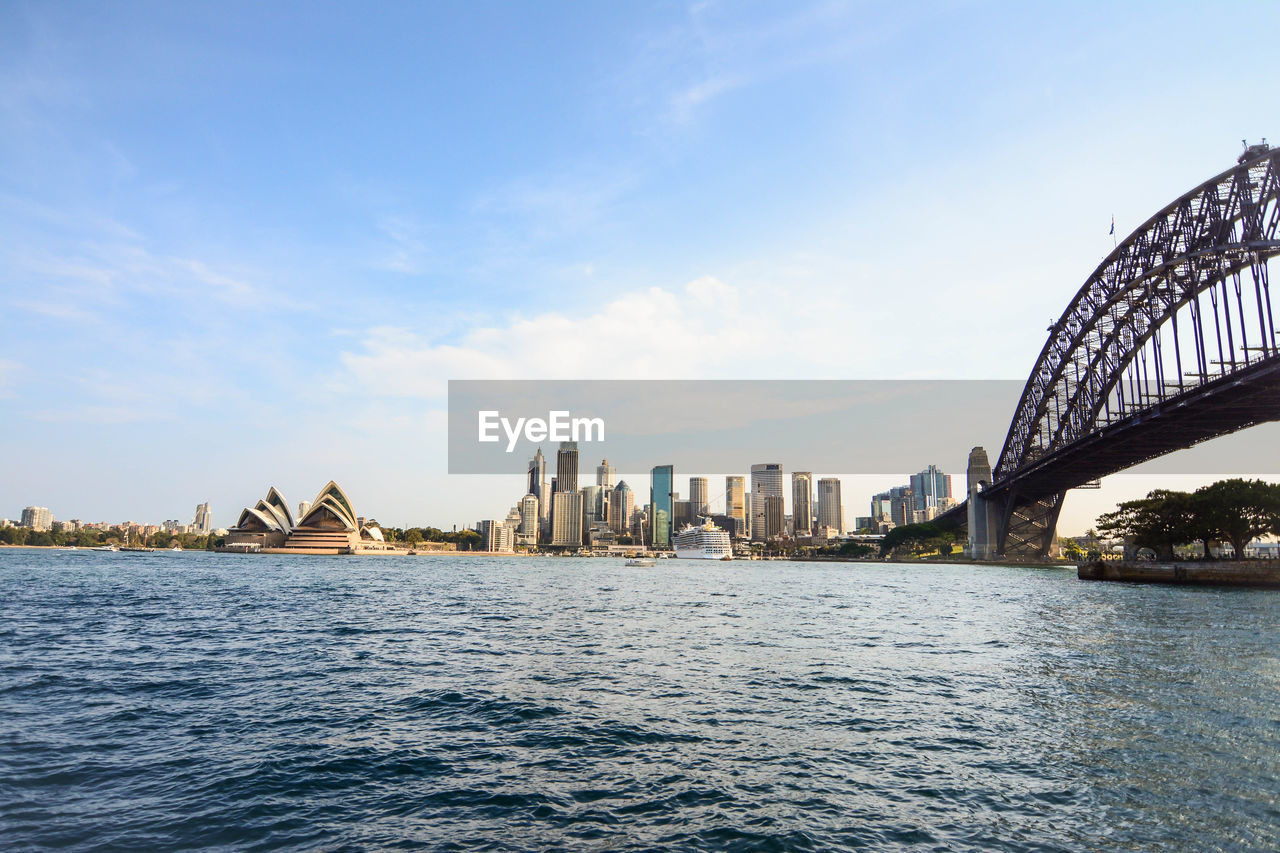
(205, 261)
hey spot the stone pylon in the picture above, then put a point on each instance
(983, 516)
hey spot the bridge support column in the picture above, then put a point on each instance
(983, 514)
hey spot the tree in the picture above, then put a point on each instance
(1159, 521)
(413, 536)
(1240, 510)
(914, 538)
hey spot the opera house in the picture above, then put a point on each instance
(330, 526)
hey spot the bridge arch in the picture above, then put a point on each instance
(1176, 323)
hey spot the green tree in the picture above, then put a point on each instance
(1159, 521)
(1240, 510)
(413, 536)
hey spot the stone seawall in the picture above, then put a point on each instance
(1254, 573)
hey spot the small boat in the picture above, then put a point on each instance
(640, 562)
(176, 548)
(105, 548)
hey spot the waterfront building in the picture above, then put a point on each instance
(830, 504)
(37, 518)
(566, 519)
(698, 496)
(622, 507)
(661, 505)
(304, 507)
(203, 521)
(330, 526)
(802, 502)
(735, 502)
(496, 536)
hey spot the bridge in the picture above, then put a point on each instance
(1170, 342)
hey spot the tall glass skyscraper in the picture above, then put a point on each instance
(661, 505)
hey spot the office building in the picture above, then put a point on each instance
(529, 516)
(766, 477)
(496, 536)
(566, 519)
(698, 495)
(538, 484)
(567, 468)
(604, 475)
(735, 501)
(203, 521)
(661, 505)
(591, 503)
(930, 488)
(802, 502)
(622, 507)
(830, 505)
(774, 517)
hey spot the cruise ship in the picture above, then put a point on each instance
(704, 542)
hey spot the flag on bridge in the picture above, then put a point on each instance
(1113, 224)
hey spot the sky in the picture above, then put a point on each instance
(247, 244)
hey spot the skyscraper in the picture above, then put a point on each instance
(538, 484)
(604, 475)
(930, 487)
(529, 516)
(566, 519)
(698, 496)
(304, 507)
(591, 503)
(802, 502)
(661, 505)
(767, 477)
(622, 506)
(735, 500)
(766, 481)
(830, 508)
(203, 521)
(567, 467)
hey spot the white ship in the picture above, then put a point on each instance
(704, 542)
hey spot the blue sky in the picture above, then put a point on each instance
(246, 244)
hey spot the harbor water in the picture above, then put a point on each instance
(185, 701)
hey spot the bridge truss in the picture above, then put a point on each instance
(1170, 342)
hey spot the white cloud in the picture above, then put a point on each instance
(700, 330)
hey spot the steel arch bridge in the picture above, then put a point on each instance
(1170, 342)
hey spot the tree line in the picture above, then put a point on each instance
(91, 538)
(1236, 510)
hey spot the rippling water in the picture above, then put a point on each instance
(177, 701)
